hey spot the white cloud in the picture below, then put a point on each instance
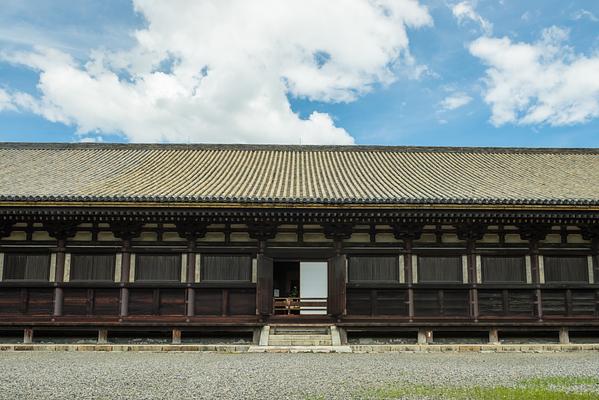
(216, 71)
(545, 82)
(6, 102)
(580, 14)
(91, 139)
(465, 11)
(454, 101)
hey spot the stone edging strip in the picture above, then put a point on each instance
(381, 348)
(482, 348)
(126, 347)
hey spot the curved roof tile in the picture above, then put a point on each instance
(297, 174)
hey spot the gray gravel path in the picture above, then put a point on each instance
(56, 375)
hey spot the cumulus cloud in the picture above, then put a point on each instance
(465, 11)
(455, 101)
(544, 82)
(223, 71)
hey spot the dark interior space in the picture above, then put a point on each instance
(528, 337)
(216, 337)
(461, 337)
(591, 336)
(59, 336)
(286, 278)
(375, 337)
(11, 336)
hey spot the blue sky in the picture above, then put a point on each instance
(436, 72)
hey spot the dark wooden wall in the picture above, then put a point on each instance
(369, 282)
(146, 300)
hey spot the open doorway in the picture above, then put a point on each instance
(300, 287)
(286, 279)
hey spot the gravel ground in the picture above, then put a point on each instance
(56, 375)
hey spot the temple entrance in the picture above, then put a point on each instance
(286, 278)
(300, 288)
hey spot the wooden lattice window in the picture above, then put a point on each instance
(226, 268)
(157, 267)
(92, 267)
(35, 267)
(503, 269)
(566, 269)
(440, 269)
(373, 269)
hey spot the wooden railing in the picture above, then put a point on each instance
(475, 302)
(299, 305)
(99, 299)
(417, 302)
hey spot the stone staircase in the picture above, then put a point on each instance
(300, 336)
(294, 338)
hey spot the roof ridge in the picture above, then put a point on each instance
(290, 147)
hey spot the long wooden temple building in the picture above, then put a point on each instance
(236, 237)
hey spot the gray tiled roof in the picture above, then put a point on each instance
(297, 174)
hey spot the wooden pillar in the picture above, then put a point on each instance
(591, 232)
(225, 302)
(59, 278)
(125, 270)
(471, 232)
(536, 279)
(336, 302)
(125, 231)
(102, 336)
(407, 233)
(471, 265)
(61, 231)
(191, 229)
(124, 311)
(191, 274)
(373, 305)
(535, 233)
(58, 301)
(262, 232)
(60, 259)
(595, 250)
(337, 267)
(191, 302)
(409, 276)
(264, 283)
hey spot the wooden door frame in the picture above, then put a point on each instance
(320, 254)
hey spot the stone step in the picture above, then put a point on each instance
(300, 343)
(299, 337)
(302, 335)
(299, 349)
(300, 340)
(290, 330)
